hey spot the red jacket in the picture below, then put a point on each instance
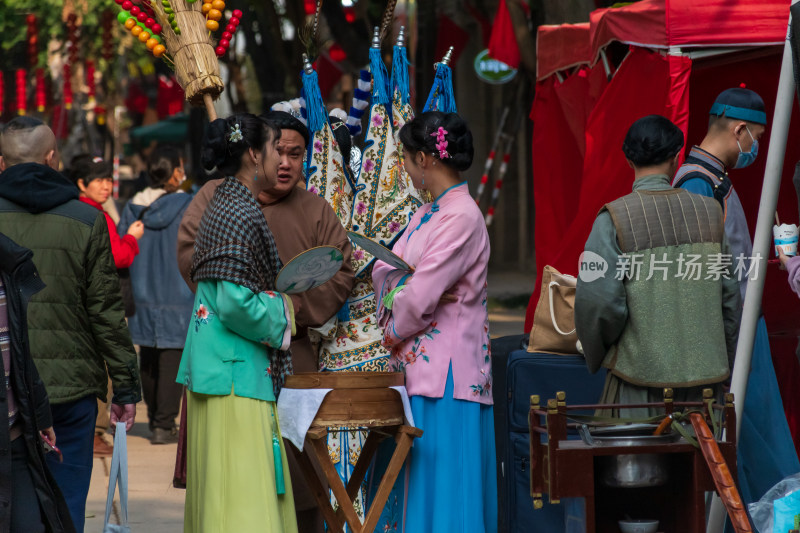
(124, 249)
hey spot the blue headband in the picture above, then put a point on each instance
(740, 113)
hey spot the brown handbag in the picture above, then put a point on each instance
(553, 328)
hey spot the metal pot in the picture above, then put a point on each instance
(630, 470)
(633, 470)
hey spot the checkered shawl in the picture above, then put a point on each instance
(235, 244)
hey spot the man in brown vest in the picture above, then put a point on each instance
(666, 312)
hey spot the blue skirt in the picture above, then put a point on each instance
(451, 475)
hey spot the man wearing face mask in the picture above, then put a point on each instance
(766, 453)
(737, 122)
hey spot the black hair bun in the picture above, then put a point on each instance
(215, 147)
(419, 135)
(652, 140)
(459, 142)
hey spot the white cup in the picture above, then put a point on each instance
(785, 237)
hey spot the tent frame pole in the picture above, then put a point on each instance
(761, 249)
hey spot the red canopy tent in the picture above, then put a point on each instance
(680, 55)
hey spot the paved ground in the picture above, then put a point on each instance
(508, 296)
(154, 506)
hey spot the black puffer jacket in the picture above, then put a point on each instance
(22, 281)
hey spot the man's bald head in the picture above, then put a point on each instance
(27, 140)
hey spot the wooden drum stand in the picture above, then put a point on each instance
(358, 400)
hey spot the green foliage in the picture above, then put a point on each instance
(51, 25)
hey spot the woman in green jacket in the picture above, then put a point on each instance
(236, 352)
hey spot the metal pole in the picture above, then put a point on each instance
(761, 250)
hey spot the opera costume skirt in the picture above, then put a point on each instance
(452, 479)
(231, 470)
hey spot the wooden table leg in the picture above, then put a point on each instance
(406, 435)
(320, 494)
(320, 449)
(368, 450)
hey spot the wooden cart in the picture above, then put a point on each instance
(563, 468)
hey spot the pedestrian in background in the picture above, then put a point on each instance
(163, 301)
(77, 324)
(93, 177)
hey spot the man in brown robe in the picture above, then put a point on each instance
(299, 220)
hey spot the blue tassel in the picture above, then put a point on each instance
(380, 78)
(344, 313)
(400, 73)
(441, 97)
(315, 106)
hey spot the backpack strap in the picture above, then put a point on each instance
(721, 189)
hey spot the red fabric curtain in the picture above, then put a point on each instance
(662, 24)
(503, 42)
(560, 47)
(576, 187)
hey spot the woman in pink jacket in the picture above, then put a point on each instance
(436, 323)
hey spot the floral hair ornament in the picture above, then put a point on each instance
(236, 133)
(441, 142)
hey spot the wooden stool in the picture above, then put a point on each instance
(363, 400)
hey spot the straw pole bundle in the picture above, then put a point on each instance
(196, 64)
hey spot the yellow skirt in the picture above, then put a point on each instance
(230, 468)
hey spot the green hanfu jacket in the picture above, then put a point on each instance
(226, 345)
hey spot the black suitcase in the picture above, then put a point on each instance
(526, 374)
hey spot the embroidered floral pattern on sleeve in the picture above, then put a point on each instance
(484, 388)
(418, 351)
(202, 316)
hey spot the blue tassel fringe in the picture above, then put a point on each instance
(315, 106)
(400, 82)
(441, 97)
(380, 78)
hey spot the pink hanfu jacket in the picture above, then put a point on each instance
(447, 244)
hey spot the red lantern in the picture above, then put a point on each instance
(41, 96)
(108, 42)
(73, 35)
(21, 92)
(90, 79)
(33, 39)
(67, 87)
(100, 113)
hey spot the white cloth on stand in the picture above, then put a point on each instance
(298, 407)
(296, 410)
